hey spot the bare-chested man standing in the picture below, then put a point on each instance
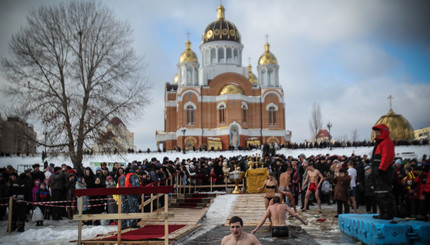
(285, 185)
(314, 184)
(277, 212)
(237, 235)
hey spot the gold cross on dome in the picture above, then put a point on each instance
(391, 101)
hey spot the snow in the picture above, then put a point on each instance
(64, 231)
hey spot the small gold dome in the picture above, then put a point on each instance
(176, 79)
(267, 58)
(400, 129)
(231, 89)
(221, 29)
(188, 55)
(252, 77)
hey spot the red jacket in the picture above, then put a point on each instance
(385, 148)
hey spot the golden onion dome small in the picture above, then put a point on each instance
(176, 79)
(267, 58)
(400, 128)
(221, 29)
(230, 89)
(252, 77)
(188, 55)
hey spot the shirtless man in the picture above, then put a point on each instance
(284, 187)
(277, 212)
(313, 176)
(237, 235)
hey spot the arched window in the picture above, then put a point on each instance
(271, 77)
(236, 55)
(263, 76)
(244, 113)
(221, 55)
(207, 57)
(272, 115)
(229, 55)
(213, 56)
(190, 115)
(221, 114)
(189, 77)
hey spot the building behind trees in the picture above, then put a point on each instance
(17, 137)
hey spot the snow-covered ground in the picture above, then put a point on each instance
(63, 231)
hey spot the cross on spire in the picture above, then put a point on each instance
(188, 35)
(267, 38)
(391, 101)
(249, 60)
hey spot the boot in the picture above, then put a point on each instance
(21, 226)
(13, 226)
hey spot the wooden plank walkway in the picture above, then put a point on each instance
(250, 207)
(185, 216)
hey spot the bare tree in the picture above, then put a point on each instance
(72, 68)
(315, 123)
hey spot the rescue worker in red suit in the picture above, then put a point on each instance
(130, 203)
(382, 171)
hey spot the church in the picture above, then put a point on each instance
(219, 104)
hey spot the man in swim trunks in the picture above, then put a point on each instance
(237, 235)
(285, 185)
(313, 176)
(277, 212)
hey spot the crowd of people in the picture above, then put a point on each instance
(344, 180)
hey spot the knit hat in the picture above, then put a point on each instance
(398, 161)
(109, 178)
(367, 167)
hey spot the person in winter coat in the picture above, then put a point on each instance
(18, 189)
(36, 187)
(37, 174)
(130, 204)
(112, 207)
(43, 195)
(369, 191)
(58, 183)
(4, 195)
(96, 208)
(382, 172)
(70, 186)
(342, 182)
(89, 177)
(80, 184)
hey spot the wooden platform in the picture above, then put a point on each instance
(187, 216)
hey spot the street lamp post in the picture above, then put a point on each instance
(329, 125)
(183, 140)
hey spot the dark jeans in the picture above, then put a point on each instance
(371, 205)
(339, 206)
(57, 213)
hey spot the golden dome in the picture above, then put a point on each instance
(230, 89)
(221, 29)
(400, 129)
(252, 77)
(176, 79)
(188, 55)
(267, 58)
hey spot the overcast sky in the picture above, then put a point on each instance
(346, 56)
